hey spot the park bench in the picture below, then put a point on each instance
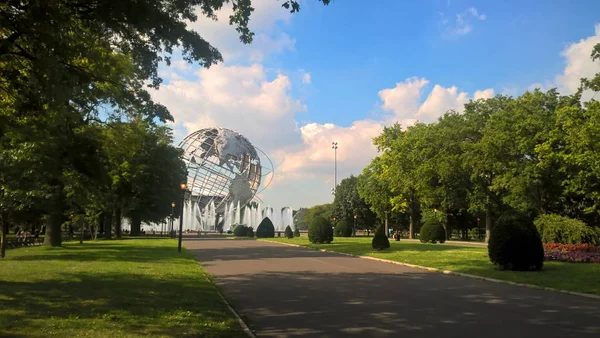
(12, 243)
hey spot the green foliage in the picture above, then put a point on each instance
(432, 231)
(380, 240)
(343, 228)
(250, 232)
(240, 231)
(265, 229)
(559, 229)
(296, 232)
(288, 232)
(305, 218)
(320, 231)
(348, 203)
(515, 243)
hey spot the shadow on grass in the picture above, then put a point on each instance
(105, 250)
(130, 304)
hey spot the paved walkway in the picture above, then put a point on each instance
(284, 291)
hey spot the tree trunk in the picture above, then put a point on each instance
(100, 224)
(135, 224)
(3, 232)
(107, 225)
(117, 222)
(54, 228)
(386, 224)
(448, 227)
(488, 225)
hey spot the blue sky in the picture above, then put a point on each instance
(353, 50)
(342, 72)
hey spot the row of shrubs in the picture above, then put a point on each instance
(320, 231)
(264, 230)
(516, 241)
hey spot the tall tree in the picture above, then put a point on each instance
(63, 62)
(348, 203)
(375, 190)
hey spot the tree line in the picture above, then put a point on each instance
(79, 131)
(537, 153)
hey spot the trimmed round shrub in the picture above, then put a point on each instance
(432, 232)
(380, 240)
(320, 231)
(296, 232)
(265, 229)
(515, 243)
(564, 230)
(250, 232)
(288, 232)
(240, 231)
(343, 228)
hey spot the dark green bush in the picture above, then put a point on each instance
(515, 243)
(297, 232)
(240, 231)
(320, 231)
(558, 229)
(343, 228)
(432, 232)
(265, 229)
(288, 232)
(250, 232)
(380, 240)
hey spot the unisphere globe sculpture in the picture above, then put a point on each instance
(223, 167)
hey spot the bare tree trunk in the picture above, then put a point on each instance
(135, 224)
(55, 220)
(3, 232)
(488, 225)
(54, 229)
(117, 222)
(386, 224)
(107, 225)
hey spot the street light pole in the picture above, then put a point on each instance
(183, 187)
(334, 146)
(171, 219)
(354, 230)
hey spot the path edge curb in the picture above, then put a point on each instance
(242, 323)
(448, 272)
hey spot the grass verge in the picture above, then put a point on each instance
(119, 288)
(472, 260)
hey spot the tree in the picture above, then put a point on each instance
(66, 63)
(375, 190)
(321, 210)
(400, 159)
(288, 232)
(348, 203)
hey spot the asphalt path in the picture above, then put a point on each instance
(284, 291)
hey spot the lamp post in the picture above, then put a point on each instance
(171, 218)
(354, 229)
(183, 187)
(334, 146)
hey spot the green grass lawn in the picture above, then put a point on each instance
(118, 288)
(579, 277)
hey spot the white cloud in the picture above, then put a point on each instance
(243, 98)
(578, 63)
(264, 23)
(483, 94)
(462, 24)
(316, 157)
(306, 79)
(405, 100)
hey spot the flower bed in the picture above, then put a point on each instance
(575, 253)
